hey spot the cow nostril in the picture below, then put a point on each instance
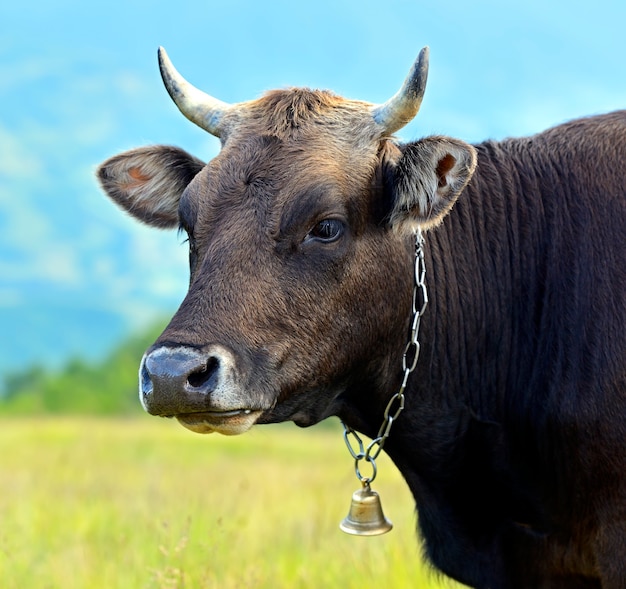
(203, 375)
(145, 380)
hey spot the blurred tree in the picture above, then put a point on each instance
(107, 387)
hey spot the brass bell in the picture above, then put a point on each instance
(365, 517)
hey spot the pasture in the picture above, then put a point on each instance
(90, 503)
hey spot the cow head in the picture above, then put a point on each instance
(299, 251)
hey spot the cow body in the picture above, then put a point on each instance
(515, 443)
(513, 438)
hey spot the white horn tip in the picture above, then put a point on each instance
(199, 107)
(401, 108)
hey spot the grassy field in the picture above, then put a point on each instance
(90, 503)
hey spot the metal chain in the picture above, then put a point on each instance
(409, 361)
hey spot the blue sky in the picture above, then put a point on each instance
(79, 82)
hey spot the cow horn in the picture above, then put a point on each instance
(400, 109)
(200, 108)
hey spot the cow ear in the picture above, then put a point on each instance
(148, 182)
(426, 179)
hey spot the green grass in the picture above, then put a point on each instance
(142, 503)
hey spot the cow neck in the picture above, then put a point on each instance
(395, 406)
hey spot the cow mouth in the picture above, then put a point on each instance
(229, 423)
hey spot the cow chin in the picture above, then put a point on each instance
(306, 410)
(228, 423)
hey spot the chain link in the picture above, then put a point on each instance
(409, 362)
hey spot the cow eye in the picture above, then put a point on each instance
(328, 230)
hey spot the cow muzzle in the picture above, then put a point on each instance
(198, 387)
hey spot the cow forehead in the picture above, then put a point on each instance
(261, 179)
(286, 144)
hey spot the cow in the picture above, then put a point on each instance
(301, 253)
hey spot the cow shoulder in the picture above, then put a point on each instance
(149, 181)
(426, 178)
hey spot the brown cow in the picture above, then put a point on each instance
(513, 439)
